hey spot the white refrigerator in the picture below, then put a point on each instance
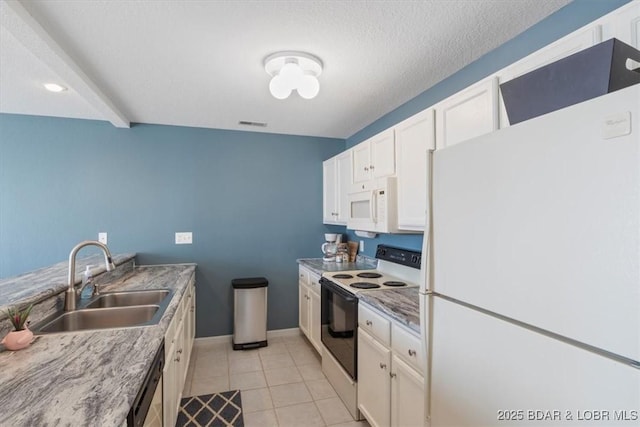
(531, 302)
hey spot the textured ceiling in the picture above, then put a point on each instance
(200, 63)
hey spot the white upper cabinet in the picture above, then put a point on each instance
(469, 113)
(329, 188)
(383, 154)
(623, 24)
(414, 137)
(564, 47)
(375, 157)
(336, 179)
(343, 179)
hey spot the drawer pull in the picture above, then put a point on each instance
(368, 323)
(392, 374)
(177, 359)
(383, 365)
(412, 352)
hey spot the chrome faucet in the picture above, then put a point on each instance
(71, 295)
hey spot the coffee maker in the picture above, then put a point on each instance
(330, 248)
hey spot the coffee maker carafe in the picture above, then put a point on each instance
(330, 248)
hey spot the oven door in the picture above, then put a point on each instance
(339, 319)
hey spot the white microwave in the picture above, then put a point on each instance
(373, 206)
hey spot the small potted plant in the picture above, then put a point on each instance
(21, 336)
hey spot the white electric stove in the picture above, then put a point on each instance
(397, 269)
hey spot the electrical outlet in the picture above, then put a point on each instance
(184, 238)
(361, 246)
(102, 237)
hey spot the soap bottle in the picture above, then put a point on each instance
(87, 285)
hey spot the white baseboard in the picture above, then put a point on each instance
(227, 338)
(283, 333)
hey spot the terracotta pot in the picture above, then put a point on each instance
(17, 340)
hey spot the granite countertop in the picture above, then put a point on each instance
(88, 377)
(402, 305)
(318, 266)
(37, 285)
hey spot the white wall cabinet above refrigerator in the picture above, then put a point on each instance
(414, 137)
(623, 24)
(375, 157)
(469, 113)
(336, 179)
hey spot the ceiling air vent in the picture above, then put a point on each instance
(257, 124)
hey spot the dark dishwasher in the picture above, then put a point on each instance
(140, 408)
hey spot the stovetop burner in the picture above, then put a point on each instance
(364, 285)
(394, 283)
(369, 275)
(342, 276)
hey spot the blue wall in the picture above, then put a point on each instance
(252, 200)
(566, 20)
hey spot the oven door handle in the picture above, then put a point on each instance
(332, 287)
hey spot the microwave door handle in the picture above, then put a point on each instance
(373, 207)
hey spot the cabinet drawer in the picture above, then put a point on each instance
(378, 326)
(314, 283)
(303, 275)
(408, 347)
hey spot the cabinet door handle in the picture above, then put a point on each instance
(366, 169)
(179, 351)
(383, 365)
(372, 167)
(177, 359)
(368, 322)
(392, 374)
(412, 352)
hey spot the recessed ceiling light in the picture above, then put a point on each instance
(53, 87)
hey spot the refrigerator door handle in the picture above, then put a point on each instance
(427, 283)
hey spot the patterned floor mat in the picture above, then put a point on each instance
(216, 410)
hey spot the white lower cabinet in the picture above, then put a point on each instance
(391, 389)
(178, 343)
(407, 395)
(374, 381)
(309, 306)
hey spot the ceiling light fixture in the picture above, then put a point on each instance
(293, 70)
(53, 87)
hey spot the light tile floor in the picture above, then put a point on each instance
(281, 384)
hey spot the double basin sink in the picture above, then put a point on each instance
(111, 310)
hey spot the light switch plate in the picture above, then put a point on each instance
(184, 238)
(102, 237)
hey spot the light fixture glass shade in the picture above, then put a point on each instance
(293, 70)
(292, 74)
(309, 86)
(279, 87)
(54, 87)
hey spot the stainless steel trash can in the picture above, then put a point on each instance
(249, 312)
